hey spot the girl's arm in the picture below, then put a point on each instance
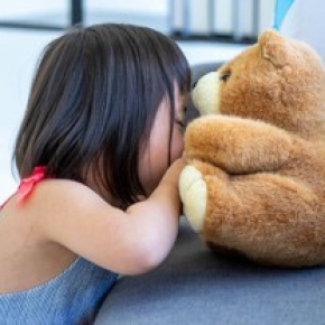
(130, 242)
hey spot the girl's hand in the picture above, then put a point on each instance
(170, 178)
(173, 172)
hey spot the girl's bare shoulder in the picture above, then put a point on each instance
(63, 194)
(52, 199)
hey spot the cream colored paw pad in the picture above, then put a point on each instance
(193, 192)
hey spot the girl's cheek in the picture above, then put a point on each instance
(178, 145)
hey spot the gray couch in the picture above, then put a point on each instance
(194, 286)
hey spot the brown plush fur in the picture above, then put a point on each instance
(264, 159)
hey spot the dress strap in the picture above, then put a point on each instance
(27, 185)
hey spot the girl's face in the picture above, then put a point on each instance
(154, 159)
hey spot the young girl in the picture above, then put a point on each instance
(97, 153)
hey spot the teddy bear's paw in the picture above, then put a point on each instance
(193, 192)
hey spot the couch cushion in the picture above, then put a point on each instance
(193, 286)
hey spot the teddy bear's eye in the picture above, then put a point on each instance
(225, 76)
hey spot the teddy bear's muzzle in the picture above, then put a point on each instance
(206, 94)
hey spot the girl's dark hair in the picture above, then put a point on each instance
(93, 101)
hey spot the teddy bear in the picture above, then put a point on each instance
(254, 182)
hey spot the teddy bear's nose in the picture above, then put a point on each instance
(195, 83)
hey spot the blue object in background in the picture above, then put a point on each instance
(281, 9)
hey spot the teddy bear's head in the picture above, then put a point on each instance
(278, 80)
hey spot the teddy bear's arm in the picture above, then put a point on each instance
(238, 145)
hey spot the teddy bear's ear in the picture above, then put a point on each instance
(274, 47)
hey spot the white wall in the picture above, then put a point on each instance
(306, 22)
(154, 6)
(26, 8)
(223, 16)
(23, 8)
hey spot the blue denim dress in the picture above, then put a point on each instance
(71, 298)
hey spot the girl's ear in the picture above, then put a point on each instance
(275, 48)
